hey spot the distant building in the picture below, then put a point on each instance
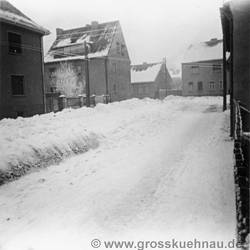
(109, 63)
(150, 80)
(202, 69)
(21, 60)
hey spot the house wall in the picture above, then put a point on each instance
(118, 79)
(118, 68)
(67, 77)
(205, 73)
(144, 89)
(241, 53)
(28, 64)
(72, 74)
(97, 78)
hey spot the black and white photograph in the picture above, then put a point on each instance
(124, 124)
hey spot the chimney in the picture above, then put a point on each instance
(59, 31)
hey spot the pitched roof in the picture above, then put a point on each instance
(10, 14)
(69, 44)
(146, 72)
(204, 51)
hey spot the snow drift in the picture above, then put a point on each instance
(39, 141)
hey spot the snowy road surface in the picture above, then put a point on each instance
(164, 171)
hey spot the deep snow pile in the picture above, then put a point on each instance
(28, 143)
(162, 170)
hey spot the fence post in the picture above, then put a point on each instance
(93, 102)
(62, 102)
(81, 100)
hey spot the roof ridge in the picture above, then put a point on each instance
(11, 14)
(85, 28)
(7, 6)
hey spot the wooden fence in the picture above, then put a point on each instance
(241, 174)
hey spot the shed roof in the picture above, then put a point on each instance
(11, 14)
(146, 72)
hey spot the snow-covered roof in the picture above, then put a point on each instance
(69, 44)
(10, 14)
(204, 51)
(145, 72)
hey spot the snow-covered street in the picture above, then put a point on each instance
(159, 169)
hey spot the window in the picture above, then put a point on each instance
(123, 48)
(114, 67)
(195, 69)
(19, 113)
(118, 48)
(217, 67)
(53, 89)
(212, 85)
(15, 44)
(17, 85)
(200, 86)
(52, 72)
(190, 86)
(114, 88)
(221, 85)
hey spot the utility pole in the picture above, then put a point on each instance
(87, 75)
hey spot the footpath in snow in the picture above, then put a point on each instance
(152, 170)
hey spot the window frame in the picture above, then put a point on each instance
(221, 85)
(9, 43)
(190, 86)
(118, 48)
(217, 67)
(212, 83)
(17, 95)
(200, 83)
(195, 69)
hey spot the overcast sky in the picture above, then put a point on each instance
(153, 29)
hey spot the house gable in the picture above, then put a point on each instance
(118, 48)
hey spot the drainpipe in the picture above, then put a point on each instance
(87, 74)
(106, 77)
(43, 85)
(231, 80)
(224, 75)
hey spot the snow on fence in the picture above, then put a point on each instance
(241, 173)
(176, 92)
(56, 102)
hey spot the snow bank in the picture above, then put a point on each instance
(39, 141)
(42, 140)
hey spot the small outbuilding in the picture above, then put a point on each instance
(150, 80)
